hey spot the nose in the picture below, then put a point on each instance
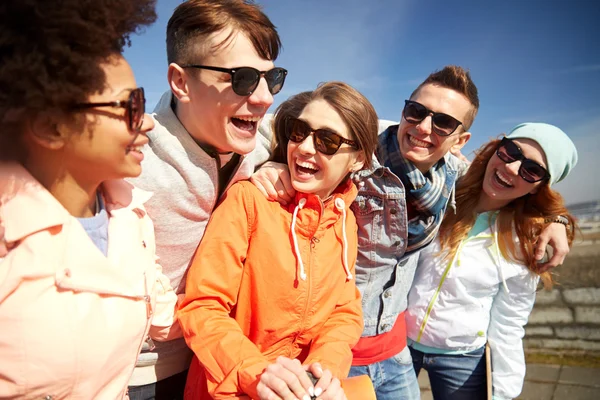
(307, 146)
(148, 124)
(513, 167)
(424, 126)
(261, 96)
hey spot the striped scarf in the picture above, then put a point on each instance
(426, 193)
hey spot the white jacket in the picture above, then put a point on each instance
(479, 296)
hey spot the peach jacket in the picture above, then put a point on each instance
(72, 321)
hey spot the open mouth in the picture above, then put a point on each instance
(501, 180)
(306, 168)
(419, 143)
(245, 123)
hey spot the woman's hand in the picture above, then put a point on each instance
(285, 379)
(273, 181)
(328, 387)
(555, 236)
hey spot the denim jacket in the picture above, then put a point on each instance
(384, 273)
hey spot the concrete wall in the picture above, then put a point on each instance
(566, 320)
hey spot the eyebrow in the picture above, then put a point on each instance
(326, 128)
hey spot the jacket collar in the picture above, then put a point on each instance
(328, 213)
(27, 207)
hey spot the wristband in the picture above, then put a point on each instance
(560, 219)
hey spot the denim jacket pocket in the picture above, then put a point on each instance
(368, 210)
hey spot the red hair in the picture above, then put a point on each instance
(526, 215)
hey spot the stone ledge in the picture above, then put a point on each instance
(546, 315)
(587, 315)
(562, 344)
(582, 296)
(545, 297)
(538, 331)
(577, 332)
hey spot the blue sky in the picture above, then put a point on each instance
(532, 60)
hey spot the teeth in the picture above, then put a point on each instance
(135, 148)
(308, 165)
(503, 178)
(249, 119)
(418, 142)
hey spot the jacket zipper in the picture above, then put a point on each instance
(437, 291)
(313, 242)
(439, 287)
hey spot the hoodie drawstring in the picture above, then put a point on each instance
(453, 197)
(498, 265)
(341, 206)
(299, 207)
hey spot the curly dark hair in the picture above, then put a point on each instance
(51, 55)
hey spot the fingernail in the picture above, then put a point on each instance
(311, 391)
(306, 397)
(318, 392)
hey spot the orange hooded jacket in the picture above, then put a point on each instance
(270, 280)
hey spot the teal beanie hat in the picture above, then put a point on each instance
(560, 151)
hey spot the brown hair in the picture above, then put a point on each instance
(72, 39)
(458, 79)
(526, 215)
(355, 110)
(194, 21)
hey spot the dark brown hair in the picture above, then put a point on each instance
(52, 54)
(194, 21)
(355, 110)
(526, 215)
(458, 79)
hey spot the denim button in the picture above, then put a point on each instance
(397, 243)
(393, 211)
(387, 294)
(384, 327)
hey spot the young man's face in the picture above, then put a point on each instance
(418, 142)
(217, 116)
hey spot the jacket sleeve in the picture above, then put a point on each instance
(264, 142)
(332, 345)
(509, 315)
(233, 364)
(165, 325)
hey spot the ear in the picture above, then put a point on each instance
(463, 138)
(178, 81)
(358, 163)
(45, 132)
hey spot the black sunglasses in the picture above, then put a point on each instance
(531, 171)
(244, 80)
(135, 107)
(442, 124)
(325, 141)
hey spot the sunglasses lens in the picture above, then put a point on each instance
(509, 152)
(245, 81)
(414, 112)
(532, 172)
(137, 108)
(275, 79)
(299, 131)
(444, 124)
(327, 142)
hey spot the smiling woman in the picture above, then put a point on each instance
(478, 280)
(251, 312)
(76, 246)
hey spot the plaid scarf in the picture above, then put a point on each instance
(426, 193)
